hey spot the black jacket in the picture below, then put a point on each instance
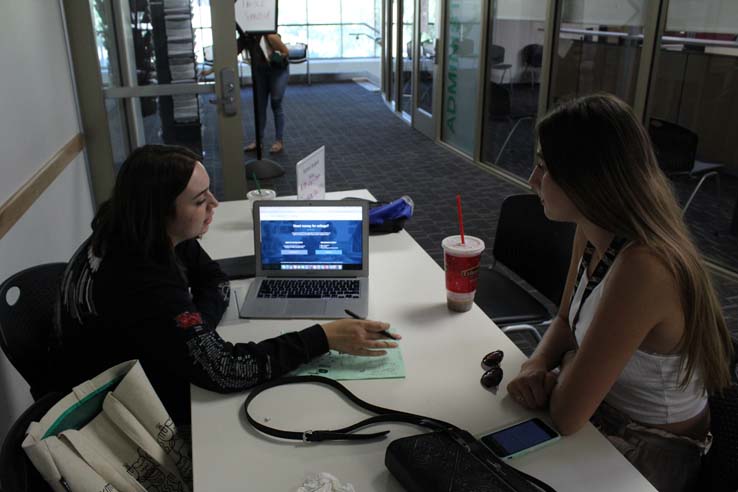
(124, 307)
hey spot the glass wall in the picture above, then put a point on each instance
(428, 36)
(693, 118)
(406, 48)
(463, 62)
(395, 9)
(514, 60)
(333, 28)
(599, 48)
(689, 97)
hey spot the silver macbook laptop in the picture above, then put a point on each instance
(312, 260)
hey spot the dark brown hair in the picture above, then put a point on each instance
(135, 218)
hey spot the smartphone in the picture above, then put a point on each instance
(519, 439)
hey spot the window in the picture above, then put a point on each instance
(332, 28)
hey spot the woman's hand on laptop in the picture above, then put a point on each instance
(359, 336)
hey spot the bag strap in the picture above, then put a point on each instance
(617, 244)
(344, 433)
(466, 440)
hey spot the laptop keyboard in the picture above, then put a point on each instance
(309, 289)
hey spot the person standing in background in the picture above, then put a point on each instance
(270, 70)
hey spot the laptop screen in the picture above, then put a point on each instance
(311, 237)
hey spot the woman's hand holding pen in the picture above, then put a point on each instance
(359, 336)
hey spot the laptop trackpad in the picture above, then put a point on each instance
(301, 308)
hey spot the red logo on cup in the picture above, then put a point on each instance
(462, 273)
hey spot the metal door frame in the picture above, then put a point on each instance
(79, 17)
(426, 123)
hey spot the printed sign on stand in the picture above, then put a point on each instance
(256, 16)
(311, 176)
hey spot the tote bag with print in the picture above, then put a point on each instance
(110, 434)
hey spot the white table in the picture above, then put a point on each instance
(442, 353)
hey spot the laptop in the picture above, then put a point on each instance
(312, 260)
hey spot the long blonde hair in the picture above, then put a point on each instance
(599, 153)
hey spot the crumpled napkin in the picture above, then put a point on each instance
(324, 482)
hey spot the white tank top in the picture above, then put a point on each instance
(648, 389)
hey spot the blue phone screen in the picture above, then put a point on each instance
(519, 437)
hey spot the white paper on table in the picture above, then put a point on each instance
(311, 176)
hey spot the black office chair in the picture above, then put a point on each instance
(17, 473)
(499, 106)
(533, 248)
(298, 53)
(26, 318)
(676, 151)
(719, 470)
(497, 62)
(532, 60)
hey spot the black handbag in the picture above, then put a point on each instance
(278, 60)
(447, 459)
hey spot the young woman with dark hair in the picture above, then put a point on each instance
(141, 287)
(640, 338)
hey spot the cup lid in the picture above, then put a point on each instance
(472, 245)
(261, 194)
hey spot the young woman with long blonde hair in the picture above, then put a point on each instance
(640, 338)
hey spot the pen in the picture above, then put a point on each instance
(356, 316)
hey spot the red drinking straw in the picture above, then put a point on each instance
(461, 217)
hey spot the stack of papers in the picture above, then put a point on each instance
(185, 108)
(181, 51)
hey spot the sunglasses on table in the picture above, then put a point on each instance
(493, 374)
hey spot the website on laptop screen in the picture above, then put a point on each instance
(311, 238)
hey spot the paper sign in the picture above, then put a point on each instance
(311, 176)
(257, 16)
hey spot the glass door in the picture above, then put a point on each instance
(515, 40)
(405, 53)
(462, 40)
(392, 55)
(426, 68)
(163, 83)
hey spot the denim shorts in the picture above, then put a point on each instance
(670, 462)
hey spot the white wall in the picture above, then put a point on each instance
(38, 115)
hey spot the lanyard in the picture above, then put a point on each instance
(599, 273)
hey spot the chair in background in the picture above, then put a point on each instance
(497, 62)
(532, 61)
(26, 318)
(535, 249)
(427, 64)
(298, 53)
(676, 151)
(17, 473)
(499, 106)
